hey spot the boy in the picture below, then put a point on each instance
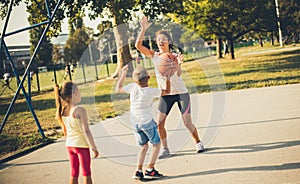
(145, 128)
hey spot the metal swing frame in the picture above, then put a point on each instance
(51, 16)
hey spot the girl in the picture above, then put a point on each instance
(74, 122)
(179, 92)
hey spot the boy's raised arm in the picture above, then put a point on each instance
(119, 87)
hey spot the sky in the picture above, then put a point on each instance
(18, 20)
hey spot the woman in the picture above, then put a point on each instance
(179, 92)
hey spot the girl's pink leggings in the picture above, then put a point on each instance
(82, 157)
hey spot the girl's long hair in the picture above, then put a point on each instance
(59, 109)
(63, 95)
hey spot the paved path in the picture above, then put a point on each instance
(258, 141)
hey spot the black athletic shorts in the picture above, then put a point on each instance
(167, 102)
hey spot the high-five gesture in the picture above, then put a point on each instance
(144, 23)
(139, 41)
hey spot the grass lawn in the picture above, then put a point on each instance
(253, 67)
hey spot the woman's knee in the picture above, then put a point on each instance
(187, 120)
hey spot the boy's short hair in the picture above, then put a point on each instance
(139, 74)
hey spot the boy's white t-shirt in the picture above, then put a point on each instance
(141, 99)
(177, 84)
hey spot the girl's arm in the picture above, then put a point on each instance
(119, 87)
(139, 41)
(80, 113)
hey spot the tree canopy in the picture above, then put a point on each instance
(77, 42)
(229, 20)
(223, 19)
(290, 22)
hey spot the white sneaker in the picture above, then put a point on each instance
(199, 147)
(165, 154)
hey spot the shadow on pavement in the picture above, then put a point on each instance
(251, 148)
(240, 149)
(3, 166)
(225, 125)
(286, 166)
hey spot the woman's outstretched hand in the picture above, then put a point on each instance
(144, 23)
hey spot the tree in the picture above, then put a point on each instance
(104, 37)
(2, 61)
(225, 19)
(77, 42)
(4, 5)
(193, 18)
(289, 16)
(266, 23)
(56, 54)
(38, 13)
(120, 12)
(75, 46)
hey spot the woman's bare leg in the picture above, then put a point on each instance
(161, 129)
(187, 119)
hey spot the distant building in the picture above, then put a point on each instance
(60, 40)
(21, 53)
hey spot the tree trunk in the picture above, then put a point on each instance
(295, 38)
(219, 48)
(277, 38)
(272, 38)
(232, 48)
(260, 41)
(120, 30)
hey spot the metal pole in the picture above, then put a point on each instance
(83, 72)
(92, 60)
(110, 55)
(26, 28)
(20, 86)
(150, 42)
(107, 69)
(278, 23)
(38, 80)
(29, 86)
